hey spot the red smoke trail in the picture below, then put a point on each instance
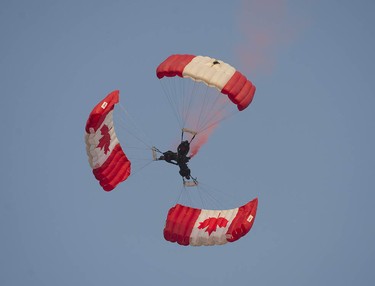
(266, 27)
(201, 139)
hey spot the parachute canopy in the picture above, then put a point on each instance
(214, 73)
(190, 226)
(106, 157)
(202, 92)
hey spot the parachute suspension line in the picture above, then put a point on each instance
(190, 96)
(172, 103)
(203, 108)
(175, 89)
(182, 102)
(183, 99)
(182, 95)
(209, 116)
(204, 204)
(199, 195)
(206, 110)
(208, 198)
(217, 121)
(136, 171)
(185, 196)
(186, 191)
(132, 133)
(218, 196)
(180, 195)
(192, 192)
(136, 142)
(213, 124)
(123, 126)
(135, 124)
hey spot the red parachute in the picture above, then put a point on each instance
(202, 92)
(213, 72)
(106, 157)
(215, 88)
(196, 227)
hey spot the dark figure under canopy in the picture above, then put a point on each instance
(179, 158)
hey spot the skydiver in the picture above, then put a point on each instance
(179, 158)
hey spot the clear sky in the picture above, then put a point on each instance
(305, 146)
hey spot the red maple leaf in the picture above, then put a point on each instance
(105, 141)
(212, 223)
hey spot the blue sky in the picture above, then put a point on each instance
(304, 147)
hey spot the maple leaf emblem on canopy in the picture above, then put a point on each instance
(212, 223)
(105, 141)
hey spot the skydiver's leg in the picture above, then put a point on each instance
(187, 176)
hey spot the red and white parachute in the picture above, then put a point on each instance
(196, 227)
(214, 73)
(106, 157)
(203, 91)
(209, 90)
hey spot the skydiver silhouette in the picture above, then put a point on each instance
(179, 158)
